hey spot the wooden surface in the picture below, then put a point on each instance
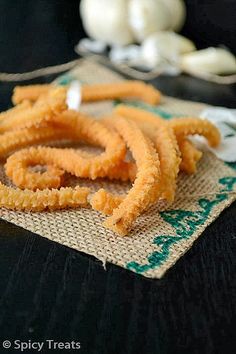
(51, 292)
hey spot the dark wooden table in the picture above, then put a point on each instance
(49, 291)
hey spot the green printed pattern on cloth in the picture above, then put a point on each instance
(185, 223)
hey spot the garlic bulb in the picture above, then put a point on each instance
(122, 22)
(210, 60)
(165, 46)
(106, 20)
(147, 16)
(177, 11)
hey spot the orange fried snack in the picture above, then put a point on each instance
(52, 104)
(145, 187)
(119, 90)
(92, 132)
(16, 199)
(106, 202)
(139, 115)
(29, 92)
(15, 110)
(190, 156)
(165, 143)
(20, 138)
(159, 149)
(190, 126)
(17, 170)
(123, 171)
(95, 92)
(79, 127)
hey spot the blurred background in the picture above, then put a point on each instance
(38, 33)
(49, 29)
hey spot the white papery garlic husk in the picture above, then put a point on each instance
(129, 54)
(211, 61)
(107, 21)
(165, 46)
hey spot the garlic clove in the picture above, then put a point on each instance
(147, 16)
(211, 60)
(106, 20)
(167, 46)
(177, 10)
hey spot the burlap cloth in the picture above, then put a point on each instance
(159, 238)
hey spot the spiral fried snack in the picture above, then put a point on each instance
(17, 165)
(69, 160)
(92, 93)
(93, 132)
(53, 103)
(165, 143)
(191, 126)
(16, 199)
(16, 139)
(145, 189)
(41, 116)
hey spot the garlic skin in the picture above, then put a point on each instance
(91, 46)
(106, 20)
(211, 61)
(162, 46)
(129, 54)
(147, 16)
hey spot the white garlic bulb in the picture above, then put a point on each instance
(122, 22)
(210, 60)
(165, 45)
(147, 16)
(106, 20)
(177, 10)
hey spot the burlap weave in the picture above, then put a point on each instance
(158, 240)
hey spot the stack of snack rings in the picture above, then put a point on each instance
(159, 148)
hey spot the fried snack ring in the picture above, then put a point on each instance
(145, 188)
(69, 160)
(97, 92)
(190, 126)
(17, 165)
(106, 202)
(93, 132)
(165, 143)
(13, 140)
(52, 104)
(16, 169)
(190, 156)
(16, 199)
